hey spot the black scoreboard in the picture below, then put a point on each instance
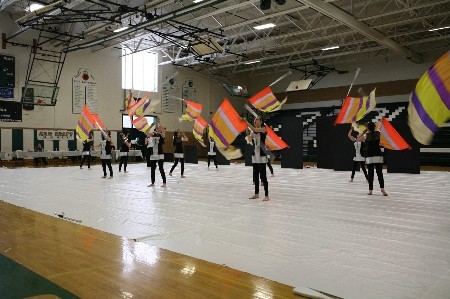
(7, 71)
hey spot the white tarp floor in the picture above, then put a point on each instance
(318, 230)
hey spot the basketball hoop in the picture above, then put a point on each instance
(40, 104)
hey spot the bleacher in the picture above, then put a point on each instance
(435, 154)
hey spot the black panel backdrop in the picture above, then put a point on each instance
(334, 149)
(190, 154)
(406, 161)
(344, 148)
(324, 127)
(292, 134)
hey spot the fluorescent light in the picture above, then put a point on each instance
(35, 6)
(265, 26)
(330, 48)
(436, 29)
(121, 29)
(197, 1)
(251, 62)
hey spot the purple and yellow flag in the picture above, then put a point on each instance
(354, 109)
(226, 125)
(129, 102)
(85, 124)
(141, 124)
(266, 101)
(143, 106)
(429, 104)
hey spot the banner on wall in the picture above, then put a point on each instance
(55, 135)
(6, 93)
(10, 111)
(84, 92)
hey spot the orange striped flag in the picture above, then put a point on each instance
(273, 141)
(354, 109)
(390, 138)
(98, 121)
(266, 101)
(429, 104)
(226, 125)
(193, 111)
(85, 124)
(199, 127)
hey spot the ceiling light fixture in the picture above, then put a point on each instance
(197, 1)
(121, 29)
(440, 28)
(330, 48)
(252, 62)
(35, 6)
(265, 26)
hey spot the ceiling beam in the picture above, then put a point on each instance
(157, 20)
(343, 17)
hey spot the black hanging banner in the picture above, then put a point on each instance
(7, 71)
(10, 111)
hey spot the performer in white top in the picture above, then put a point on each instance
(259, 157)
(123, 153)
(212, 153)
(157, 155)
(359, 154)
(149, 143)
(105, 153)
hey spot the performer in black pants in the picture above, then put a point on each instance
(259, 157)
(105, 153)
(374, 157)
(149, 144)
(123, 153)
(87, 144)
(359, 154)
(158, 155)
(178, 139)
(212, 153)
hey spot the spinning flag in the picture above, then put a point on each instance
(354, 109)
(129, 102)
(193, 111)
(429, 104)
(199, 127)
(266, 101)
(141, 124)
(143, 106)
(85, 124)
(273, 142)
(225, 126)
(390, 138)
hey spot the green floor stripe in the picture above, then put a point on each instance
(16, 281)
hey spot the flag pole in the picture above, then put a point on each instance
(354, 79)
(281, 78)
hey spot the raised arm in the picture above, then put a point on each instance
(256, 130)
(350, 136)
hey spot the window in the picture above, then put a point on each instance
(139, 70)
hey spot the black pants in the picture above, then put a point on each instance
(149, 153)
(270, 166)
(88, 158)
(176, 163)
(104, 163)
(124, 161)
(363, 167)
(214, 159)
(259, 172)
(161, 170)
(379, 169)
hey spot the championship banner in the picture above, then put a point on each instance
(55, 135)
